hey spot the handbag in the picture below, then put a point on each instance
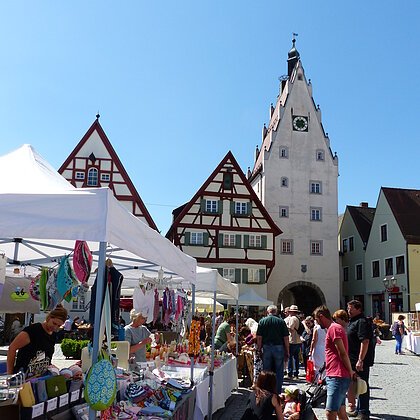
(56, 386)
(101, 382)
(310, 371)
(26, 395)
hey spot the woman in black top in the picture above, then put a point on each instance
(264, 401)
(35, 345)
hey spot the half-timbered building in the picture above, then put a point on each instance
(225, 226)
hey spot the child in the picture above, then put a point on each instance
(290, 396)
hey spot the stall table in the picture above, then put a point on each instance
(412, 342)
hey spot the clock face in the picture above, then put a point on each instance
(300, 123)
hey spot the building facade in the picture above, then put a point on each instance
(225, 226)
(295, 176)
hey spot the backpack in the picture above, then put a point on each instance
(394, 328)
(300, 329)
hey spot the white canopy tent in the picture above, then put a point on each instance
(252, 298)
(36, 202)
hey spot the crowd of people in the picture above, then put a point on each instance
(341, 347)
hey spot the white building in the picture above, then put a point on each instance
(295, 176)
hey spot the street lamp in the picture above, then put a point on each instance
(389, 284)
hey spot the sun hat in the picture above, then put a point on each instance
(293, 308)
(359, 386)
(291, 390)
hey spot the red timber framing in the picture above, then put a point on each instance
(94, 163)
(225, 223)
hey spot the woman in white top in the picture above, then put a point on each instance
(317, 351)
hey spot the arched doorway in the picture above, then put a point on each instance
(307, 296)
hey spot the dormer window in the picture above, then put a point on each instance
(105, 177)
(80, 175)
(320, 155)
(284, 181)
(92, 179)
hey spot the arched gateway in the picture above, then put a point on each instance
(307, 296)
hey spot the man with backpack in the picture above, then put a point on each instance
(361, 354)
(295, 343)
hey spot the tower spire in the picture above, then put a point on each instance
(293, 56)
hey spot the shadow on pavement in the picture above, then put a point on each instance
(389, 417)
(391, 363)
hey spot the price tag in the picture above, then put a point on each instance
(64, 400)
(74, 396)
(38, 410)
(52, 404)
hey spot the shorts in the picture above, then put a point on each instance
(336, 392)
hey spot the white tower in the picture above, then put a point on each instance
(295, 176)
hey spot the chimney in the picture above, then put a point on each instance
(364, 204)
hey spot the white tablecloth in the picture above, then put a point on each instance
(412, 343)
(225, 379)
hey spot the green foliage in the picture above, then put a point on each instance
(73, 348)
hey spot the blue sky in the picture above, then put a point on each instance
(178, 84)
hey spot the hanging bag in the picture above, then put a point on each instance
(101, 382)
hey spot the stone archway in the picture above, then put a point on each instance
(307, 296)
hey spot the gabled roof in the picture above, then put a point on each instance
(363, 219)
(405, 205)
(228, 159)
(96, 126)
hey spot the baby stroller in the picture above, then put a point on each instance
(317, 390)
(305, 408)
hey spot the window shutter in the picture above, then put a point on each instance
(187, 238)
(262, 276)
(245, 275)
(264, 241)
(246, 241)
(237, 275)
(232, 207)
(220, 207)
(205, 239)
(249, 208)
(203, 205)
(238, 241)
(220, 240)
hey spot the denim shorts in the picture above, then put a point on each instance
(336, 392)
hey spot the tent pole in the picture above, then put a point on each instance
(211, 372)
(100, 287)
(193, 313)
(237, 326)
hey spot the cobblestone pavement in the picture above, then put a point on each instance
(394, 381)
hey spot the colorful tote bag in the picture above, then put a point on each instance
(65, 279)
(101, 382)
(82, 261)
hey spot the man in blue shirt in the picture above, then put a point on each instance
(273, 339)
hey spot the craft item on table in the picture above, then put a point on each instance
(155, 410)
(67, 373)
(82, 261)
(194, 338)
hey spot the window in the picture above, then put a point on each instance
(196, 238)
(351, 243)
(255, 241)
(320, 155)
(384, 233)
(229, 273)
(255, 275)
(316, 247)
(345, 245)
(399, 264)
(241, 208)
(375, 269)
(286, 246)
(80, 175)
(345, 274)
(211, 206)
(229, 239)
(359, 272)
(316, 214)
(92, 178)
(105, 177)
(284, 181)
(284, 211)
(284, 152)
(315, 187)
(389, 267)
(79, 302)
(227, 180)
